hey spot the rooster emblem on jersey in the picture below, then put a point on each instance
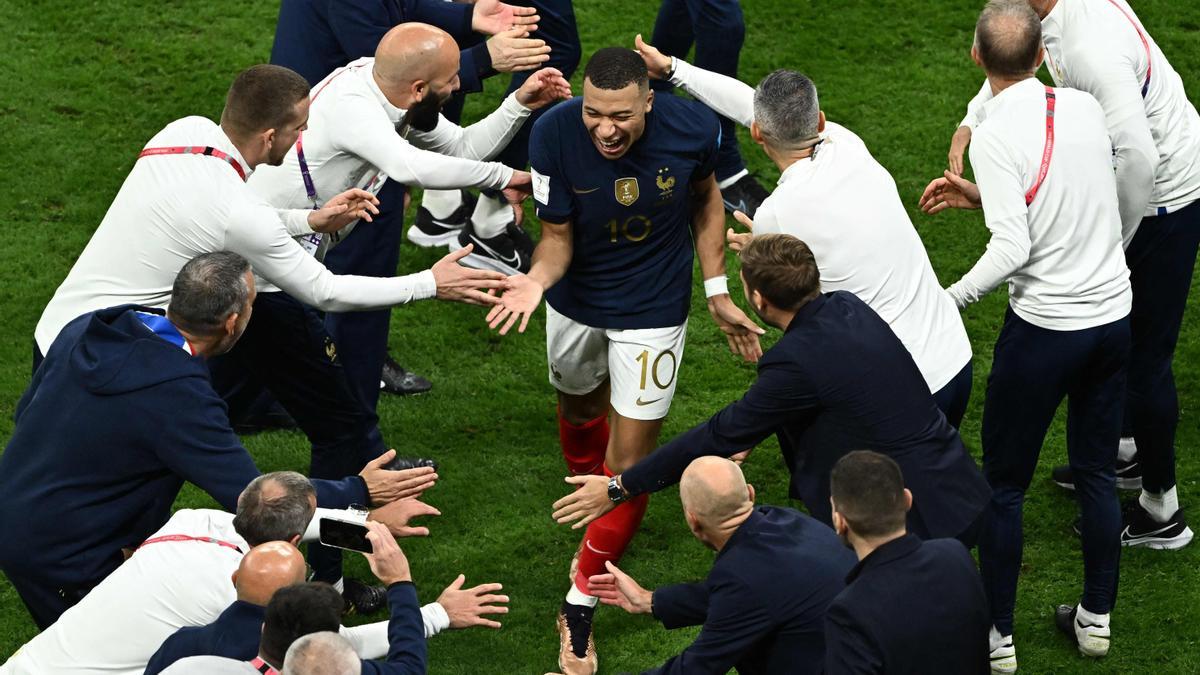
(665, 183)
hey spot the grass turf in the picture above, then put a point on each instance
(88, 83)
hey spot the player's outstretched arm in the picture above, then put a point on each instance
(958, 145)
(463, 284)
(523, 294)
(708, 228)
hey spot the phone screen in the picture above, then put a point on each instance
(340, 534)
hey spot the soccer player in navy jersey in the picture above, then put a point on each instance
(624, 185)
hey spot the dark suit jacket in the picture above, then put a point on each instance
(315, 37)
(235, 634)
(838, 380)
(910, 607)
(763, 605)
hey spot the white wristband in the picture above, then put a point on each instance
(716, 286)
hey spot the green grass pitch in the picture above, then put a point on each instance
(87, 83)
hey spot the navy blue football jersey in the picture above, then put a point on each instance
(631, 217)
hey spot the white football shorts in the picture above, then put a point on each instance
(642, 365)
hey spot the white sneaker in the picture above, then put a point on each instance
(1091, 638)
(1003, 654)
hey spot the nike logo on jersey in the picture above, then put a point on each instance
(640, 402)
(514, 260)
(582, 192)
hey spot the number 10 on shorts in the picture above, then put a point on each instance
(664, 362)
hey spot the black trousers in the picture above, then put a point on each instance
(1161, 259)
(286, 349)
(952, 398)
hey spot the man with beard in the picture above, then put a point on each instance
(185, 196)
(352, 141)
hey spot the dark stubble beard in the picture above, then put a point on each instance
(422, 116)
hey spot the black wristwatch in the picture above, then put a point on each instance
(616, 494)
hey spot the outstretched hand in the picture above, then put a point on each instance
(543, 88)
(514, 51)
(739, 240)
(520, 300)
(950, 191)
(741, 333)
(385, 487)
(468, 607)
(588, 502)
(396, 516)
(620, 590)
(656, 62)
(343, 209)
(457, 283)
(492, 16)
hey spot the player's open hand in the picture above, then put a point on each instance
(739, 240)
(543, 88)
(519, 301)
(620, 590)
(656, 62)
(958, 145)
(396, 516)
(456, 283)
(739, 330)
(385, 487)
(468, 607)
(513, 51)
(388, 563)
(587, 503)
(492, 16)
(950, 191)
(351, 205)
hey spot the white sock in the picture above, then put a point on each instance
(1126, 449)
(1160, 507)
(441, 203)
(491, 217)
(995, 639)
(1086, 617)
(732, 179)
(578, 597)
(338, 585)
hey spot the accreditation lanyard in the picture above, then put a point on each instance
(184, 537)
(263, 667)
(1047, 151)
(205, 150)
(312, 242)
(1145, 44)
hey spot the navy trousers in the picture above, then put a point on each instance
(287, 349)
(718, 31)
(1033, 369)
(952, 399)
(1161, 259)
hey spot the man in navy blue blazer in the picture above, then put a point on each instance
(909, 606)
(838, 380)
(763, 605)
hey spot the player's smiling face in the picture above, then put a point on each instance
(615, 118)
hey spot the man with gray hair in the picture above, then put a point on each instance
(77, 488)
(1043, 160)
(763, 605)
(324, 653)
(871, 250)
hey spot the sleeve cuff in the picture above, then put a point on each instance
(511, 104)
(682, 70)
(296, 222)
(435, 619)
(424, 286)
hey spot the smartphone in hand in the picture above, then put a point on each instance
(345, 535)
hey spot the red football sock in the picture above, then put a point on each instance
(607, 537)
(584, 445)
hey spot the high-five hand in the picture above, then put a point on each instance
(343, 209)
(385, 487)
(739, 240)
(492, 16)
(950, 191)
(513, 51)
(468, 607)
(739, 330)
(462, 284)
(543, 88)
(397, 515)
(520, 300)
(620, 590)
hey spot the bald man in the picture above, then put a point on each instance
(265, 569)
(763, 605)
(352, 139)
(324, 653)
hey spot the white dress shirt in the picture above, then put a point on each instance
(173, 208)
(164, 586)
(1094, 46)
(845, 206)
(1062, 254)
(351, 141)
(210, 665)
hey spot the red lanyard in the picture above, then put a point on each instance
(184, 537)
(1145, 43)
(1047, 151)
(196, 150)
(263, 667)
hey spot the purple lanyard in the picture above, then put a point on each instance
(309, 188)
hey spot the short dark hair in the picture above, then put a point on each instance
(1008, 36)
(261, 518)
(207, 290)
(786, 109)
(782, 269)
(616, 68)
(868, 490)
(263, 97)
(295, 611)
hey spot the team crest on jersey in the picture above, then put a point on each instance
(626, 190)
(665, 182)
(330, 349)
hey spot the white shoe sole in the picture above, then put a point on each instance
(1174, 543)
(1122, 484)
(483, 262)
(425, 240)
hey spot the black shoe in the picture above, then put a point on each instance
(274, 417)
(506, 253)
(746, 195)
(1091, 639)
(576, 650)
(1141, 529)
(428, 232)
(1129, 475)
(359, 598)
(401, 463)
(396, 380)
